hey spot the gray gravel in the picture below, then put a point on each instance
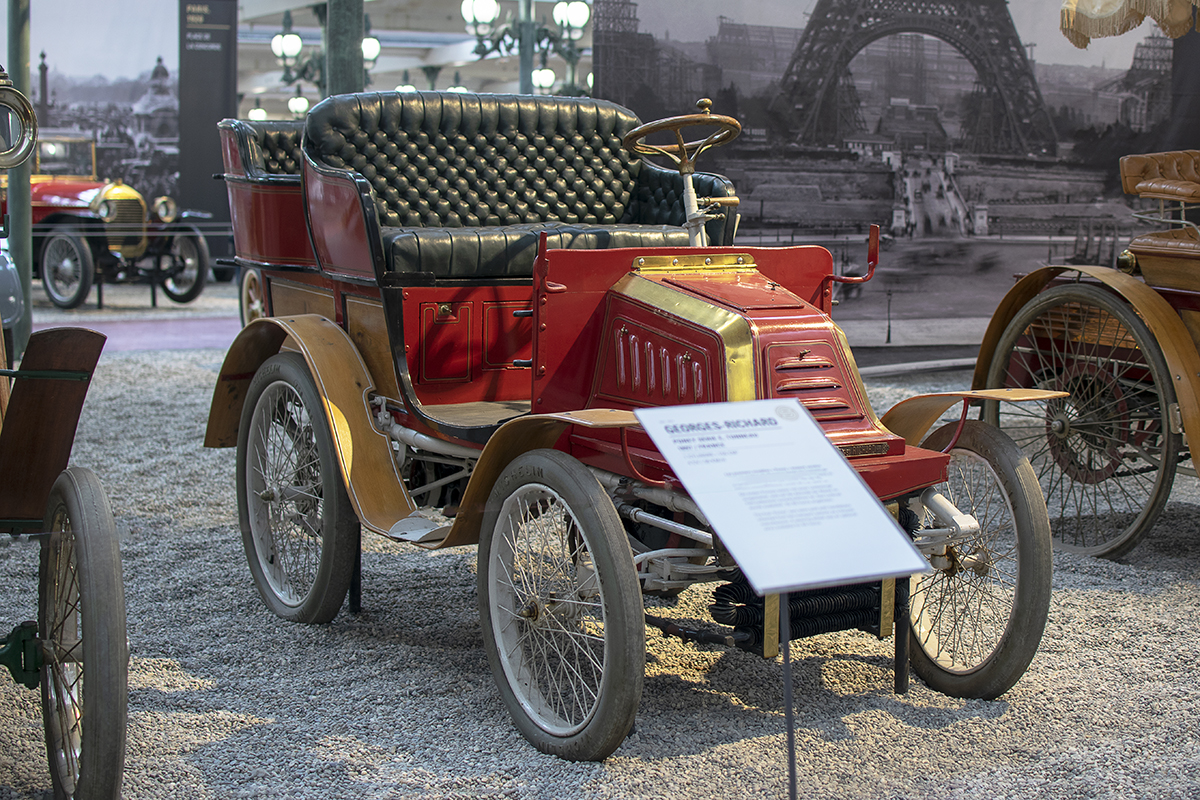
(228, 701)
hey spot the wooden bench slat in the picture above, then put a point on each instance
(38, 428)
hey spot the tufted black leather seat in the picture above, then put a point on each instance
(462, 184)
(269, 147)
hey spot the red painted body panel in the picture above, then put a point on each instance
(460, 342)
(340, 241)
(635, 355)
(265, 229)
(56, 195)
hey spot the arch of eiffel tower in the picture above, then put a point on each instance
(1008, 114)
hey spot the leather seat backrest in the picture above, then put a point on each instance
(447, 159)
(274, 145)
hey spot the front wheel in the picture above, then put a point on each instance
(562, 616)
(299, 530)
(188, 267)
(67, 268)
(977, 620)
(81, 624)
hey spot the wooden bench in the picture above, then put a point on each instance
(38, 420)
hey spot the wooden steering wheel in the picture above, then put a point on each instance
(683, 153)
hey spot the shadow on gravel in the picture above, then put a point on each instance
(1173, 543)
(740, 696)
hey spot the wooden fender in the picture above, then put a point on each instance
(376, 490)
(912, 418)
(513, 438)
(1168, 330)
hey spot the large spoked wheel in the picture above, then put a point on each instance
(977, 620)
(1105, 456)
(186, 267)
(81, 624)
(562, 617)
(251, 304)
(67, 268)
(299, 529)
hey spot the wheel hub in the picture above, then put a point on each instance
(1085, 431)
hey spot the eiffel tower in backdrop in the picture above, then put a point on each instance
(1007, 112)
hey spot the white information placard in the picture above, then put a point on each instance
(783, 499)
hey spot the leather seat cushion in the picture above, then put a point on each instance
(1178, 242)
(1169, 189)
(509, 250)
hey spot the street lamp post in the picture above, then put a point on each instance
(370, 50)
(287, 47)
(527, 37)
(298, 105)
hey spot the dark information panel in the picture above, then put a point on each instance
(207, 94)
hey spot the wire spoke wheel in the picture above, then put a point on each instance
(67, 269)
(81, 625)
(251, 303)
(186, 267)
(977, 619)
(1105, 457)
(299, 530)
(560, 607)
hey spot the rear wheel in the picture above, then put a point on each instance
(187, 267)
(81, 624)
(250, 299)
(562, 617)
(67, 268)
(977, 620)
(299, 530)
(1105, 456)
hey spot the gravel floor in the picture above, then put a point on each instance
(228, 701)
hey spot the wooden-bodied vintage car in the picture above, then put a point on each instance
(1124, 344)
(460, 301)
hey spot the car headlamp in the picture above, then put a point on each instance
(165, 209)
(106, 210)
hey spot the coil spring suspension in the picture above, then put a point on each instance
(811, 612)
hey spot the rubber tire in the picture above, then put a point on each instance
(287, 375)
(95, 555)
(619, 687)
(188, 292)
(250, 295)
(1072, 531)
(994, 674)
(82, 254)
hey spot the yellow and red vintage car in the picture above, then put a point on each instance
(459, 300)
(86, 228)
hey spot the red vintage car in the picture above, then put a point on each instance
(461, 299)
(86, 228)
